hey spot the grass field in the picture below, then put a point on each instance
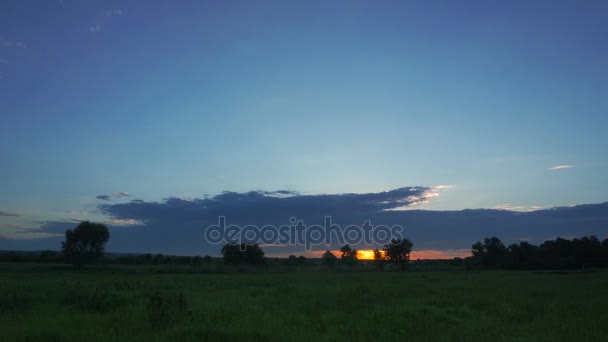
(57, 303)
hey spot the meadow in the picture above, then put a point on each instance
(42, 302)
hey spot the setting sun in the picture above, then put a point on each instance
(366, 254)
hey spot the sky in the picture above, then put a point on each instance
(483, 104)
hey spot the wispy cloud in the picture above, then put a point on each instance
(103, 197)
(15, 44)
(71, 220)
(122, 194)
(524, 208)
(124, 222)
(117, 12)
(76, 212)
(8, 213)
(441, 187)
(95, 29)
(561, 167)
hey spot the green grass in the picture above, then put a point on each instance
(57, 303)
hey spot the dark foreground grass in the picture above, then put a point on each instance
(55, 303)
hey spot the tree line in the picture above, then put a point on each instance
(86, 244)
(552, 254)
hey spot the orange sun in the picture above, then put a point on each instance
(366, 254)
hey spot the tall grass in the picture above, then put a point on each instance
(57, 304)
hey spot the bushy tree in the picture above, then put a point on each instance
(329, 259)
(349, 255)
(491, 252)
(398, 251)
(86, 243)
(522, 255)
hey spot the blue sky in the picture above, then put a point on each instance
(159, 100)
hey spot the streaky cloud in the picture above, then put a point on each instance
(8, 213)
(561, 167)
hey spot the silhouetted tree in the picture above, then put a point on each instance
(398, 251)
(242, 254)
(86, 243)
(522, 255)
(349, 255)
(491, 252)
(379, 260)
(329, 259)
(207, 259)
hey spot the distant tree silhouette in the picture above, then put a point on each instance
(491, 252)
(398, 251)
(237, 254)
(196, 261)
(349, 255)
(50, 256)
(292, 260)
(552, 254)
(379, 260)
(85, 244)
(159, 259)
(329, 259)
(207, 259)
(522, 255)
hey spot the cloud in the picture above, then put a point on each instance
(262, 206)
(176, 225)
(524, 208)
(95, 28)
(76, 212)
(117, 12)
(442, 187)
(72, 220)
(103, 197)
(124, 222)
(122, 194)
(561, 167)
(15, 44)
(416, 200)
(8, 213)
(19, 232)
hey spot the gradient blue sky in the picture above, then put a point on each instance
(160, 99)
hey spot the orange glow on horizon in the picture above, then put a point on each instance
(368, 254)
